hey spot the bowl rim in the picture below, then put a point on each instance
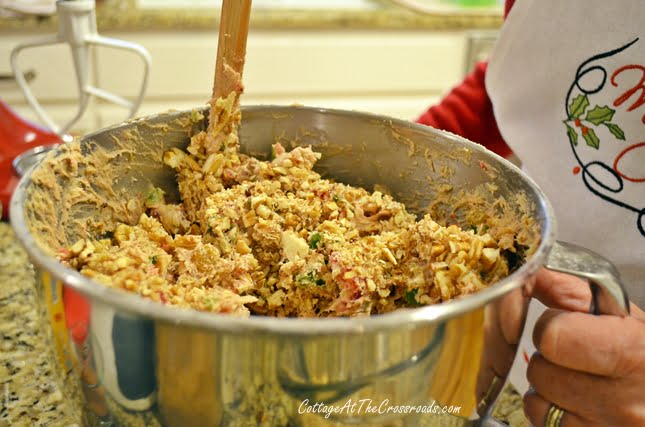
(400, 318)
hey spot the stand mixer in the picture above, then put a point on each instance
(23, 144)
(77, 28)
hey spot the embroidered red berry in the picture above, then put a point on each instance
(585, 129)
(577, 123)
(576, 170)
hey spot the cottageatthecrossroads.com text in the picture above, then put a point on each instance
(369, 406)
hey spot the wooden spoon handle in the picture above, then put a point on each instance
(231, 48)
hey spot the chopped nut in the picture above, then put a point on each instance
(458, 269)
(242, 247)
(390, 257)
(213, 164)
(122, 263)
(489, 257)
(249, 219)
(258, 200)
(352, 234)
(263, 211)
(276, 298)
(77, 247)
(229, 212)
(332, 206)
(293, 246)
(438, 265)
(475, 251)
(443, 281)
(472, 281)
(437, 249)
(225, 224)
(461, 257)
(487, 239)
(175, 158)
(399, 218)
(350, 274)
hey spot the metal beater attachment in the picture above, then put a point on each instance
(77, 28)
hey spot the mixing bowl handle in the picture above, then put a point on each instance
(608, 293)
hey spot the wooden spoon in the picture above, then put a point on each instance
(231, 50)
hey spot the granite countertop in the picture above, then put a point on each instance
(29, 387)
(124, 15)
(30, 393)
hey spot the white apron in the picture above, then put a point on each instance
(567, 83)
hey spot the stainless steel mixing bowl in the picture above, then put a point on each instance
(436, 365)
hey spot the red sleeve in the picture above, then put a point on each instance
(468, 111)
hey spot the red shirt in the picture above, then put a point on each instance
(467, 110)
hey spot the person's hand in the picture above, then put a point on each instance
(503, 325)
(592, 367)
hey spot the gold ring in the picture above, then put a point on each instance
(554, 416)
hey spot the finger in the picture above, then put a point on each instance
(564, 291)
(567, 292)
(512, 309)
(602, 345)
(571, 390)
(536, 408)
(503, 323)
(489, 385)
(498, 354)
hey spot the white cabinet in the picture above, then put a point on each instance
(397, 73)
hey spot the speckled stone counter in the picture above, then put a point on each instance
(123, 15)
(29, 387)
(30, 393)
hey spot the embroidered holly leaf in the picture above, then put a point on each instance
(615, 130)
(591, 138)
(599, 115)
(578, 106)
(572, 134)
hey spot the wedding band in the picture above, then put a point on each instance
(485, 400)
(554, 416)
